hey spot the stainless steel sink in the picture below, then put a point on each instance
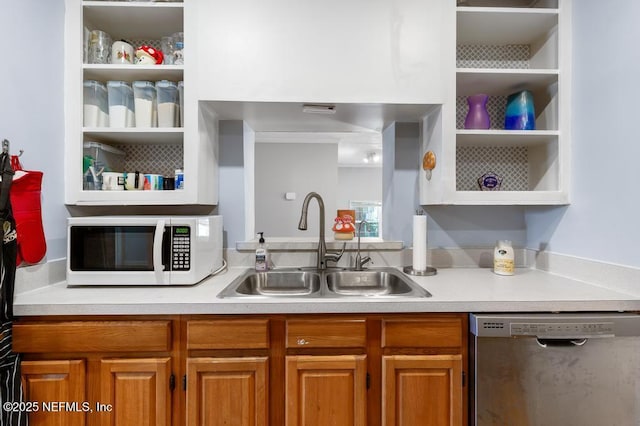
(274, 283)
(333, 283)
(373, 282)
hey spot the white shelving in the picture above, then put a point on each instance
(133, 72)
(151, 150)
(503, 50)
(140, 136)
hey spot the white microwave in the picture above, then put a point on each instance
(143, 250)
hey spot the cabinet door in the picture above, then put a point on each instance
(399, 52)
(326, 390)
(135, 392)
(422, 390)
(49, 382)
(227, 391)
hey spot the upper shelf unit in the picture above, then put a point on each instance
(504, 47)
(150, 150)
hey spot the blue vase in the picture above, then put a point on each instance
(520, 113)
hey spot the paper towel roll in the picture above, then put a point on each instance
(420, 243)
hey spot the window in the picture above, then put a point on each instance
(371, 212)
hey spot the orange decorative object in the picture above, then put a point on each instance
(429, 161)
(344, 226)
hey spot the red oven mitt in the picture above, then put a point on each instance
(27, 212)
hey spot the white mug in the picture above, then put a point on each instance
(134, 181)
(121, 53)
(112, 181)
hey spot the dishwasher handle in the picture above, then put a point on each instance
(544, 343)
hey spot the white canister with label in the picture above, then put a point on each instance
(503, 258)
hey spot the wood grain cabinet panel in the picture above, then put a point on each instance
(326, 390)
(91, 336)
(326, 333)
(49, 382)
(227, 391)
(428, 333)
(228, 334)
(135, 392)
(422, 390)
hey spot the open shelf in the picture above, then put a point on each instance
(502, 82)
(505, 137)
(134, 20)
(132, 198)
(132, 73)
(133, 135)
(511, 198)
(490, 25)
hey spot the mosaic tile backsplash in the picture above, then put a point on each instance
(511, 163)
(506, 56)
(153, 158)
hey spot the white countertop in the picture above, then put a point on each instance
(452, 289)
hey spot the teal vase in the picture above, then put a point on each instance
(520, 113)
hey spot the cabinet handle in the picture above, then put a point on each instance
(302, 342)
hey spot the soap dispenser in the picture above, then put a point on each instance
(262, 259)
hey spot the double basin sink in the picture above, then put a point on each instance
(379, 282)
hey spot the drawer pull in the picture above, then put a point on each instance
(302, 342)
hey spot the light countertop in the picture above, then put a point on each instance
(452, 289)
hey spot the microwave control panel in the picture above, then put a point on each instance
(180, 248)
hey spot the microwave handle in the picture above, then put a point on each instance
(158, 267)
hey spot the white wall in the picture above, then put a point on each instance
(299, 168)
(358, 184)
(602, 221)
(31, 101)
(236, 145)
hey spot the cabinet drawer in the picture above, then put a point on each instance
(92, 336)
(228, 334)
(320, 333)
(432, 333)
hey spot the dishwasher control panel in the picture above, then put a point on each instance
(562, 330)
(555, 325)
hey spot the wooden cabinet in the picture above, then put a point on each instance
(423, 367)
(422, 390)
(224, 391)
(226, 382)
(322, 390)
(326, 371)
(118, 372)
(138, 389)
(246, 370)
(503, 48)
(52, 381)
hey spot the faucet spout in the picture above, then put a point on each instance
(360, 261)
(302, 225)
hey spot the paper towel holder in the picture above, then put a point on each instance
(426, 273)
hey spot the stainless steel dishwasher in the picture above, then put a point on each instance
(555, 369)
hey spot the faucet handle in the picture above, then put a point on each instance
(335, 257)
